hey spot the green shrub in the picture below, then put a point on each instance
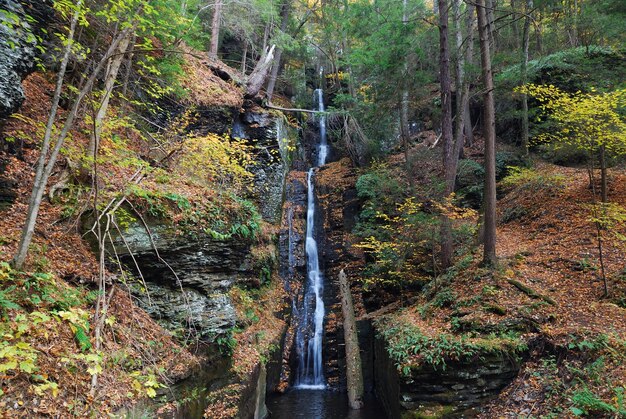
(507, 161)
(532, 180)
(585, 402)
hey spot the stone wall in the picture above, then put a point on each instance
(455, 391)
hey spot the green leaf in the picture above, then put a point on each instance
(27, 366)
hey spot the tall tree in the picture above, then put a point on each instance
(462, 87)
(284, 19)
(449, 159)
(524, 72)
(489, 133)
(404, 102)
(216, 24)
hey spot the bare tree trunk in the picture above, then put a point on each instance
(490, 15)
(539, 34)
(489, 240)
(284, 16)
(109, 82)
(604, 191)
(514, 26)
(129, 66)
(404, 105)
(354, 373)
(449, 160)
(469, 58)
(524, 75)
(260, 72)
(215, 29)
(462, 88)
(44, 170)
(36, 196)
(244, 58)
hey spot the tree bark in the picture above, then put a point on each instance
(260, 72)
(489, 240)
(524, 75)
(490, 15)
(469, 59)
(449, 160)
(604, 191)
(109, 82)
(514, 25)
(404, 105)
(284, 20)
(354, 373)
(462, 87)
(244, 58)
(215, 29)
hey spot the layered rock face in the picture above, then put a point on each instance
(271, 136)
(185, 287)
(187, 284)
(18, 42)
(450, 392)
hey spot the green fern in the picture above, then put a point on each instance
(80, 335)
(5, 301)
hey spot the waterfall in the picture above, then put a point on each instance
(323, 147)
(311, 366)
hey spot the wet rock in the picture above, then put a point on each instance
(270, 135)
(187, 285)
(17, 55)
(215, 120)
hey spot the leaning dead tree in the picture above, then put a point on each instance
(261, 71)
(354, 373)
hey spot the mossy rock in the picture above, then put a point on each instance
(435, 411)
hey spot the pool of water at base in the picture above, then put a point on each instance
(320, 404)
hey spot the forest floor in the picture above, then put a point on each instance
(546, 295)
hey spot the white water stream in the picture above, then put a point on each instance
(311, 366)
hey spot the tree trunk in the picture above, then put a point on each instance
(284, 20)
(35, 197)
(489, 241)
(244, 58)
(490, 15)
(404, 105)
(354, 373)
(469, 59)
(129, 67)
(539, 35)
(215, 29)
(109, 82)
(524, 75)
(604, 192)
(260, 72)
(514, 26)
(449, 160)
(462, 88)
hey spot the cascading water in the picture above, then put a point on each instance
(311, 372)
